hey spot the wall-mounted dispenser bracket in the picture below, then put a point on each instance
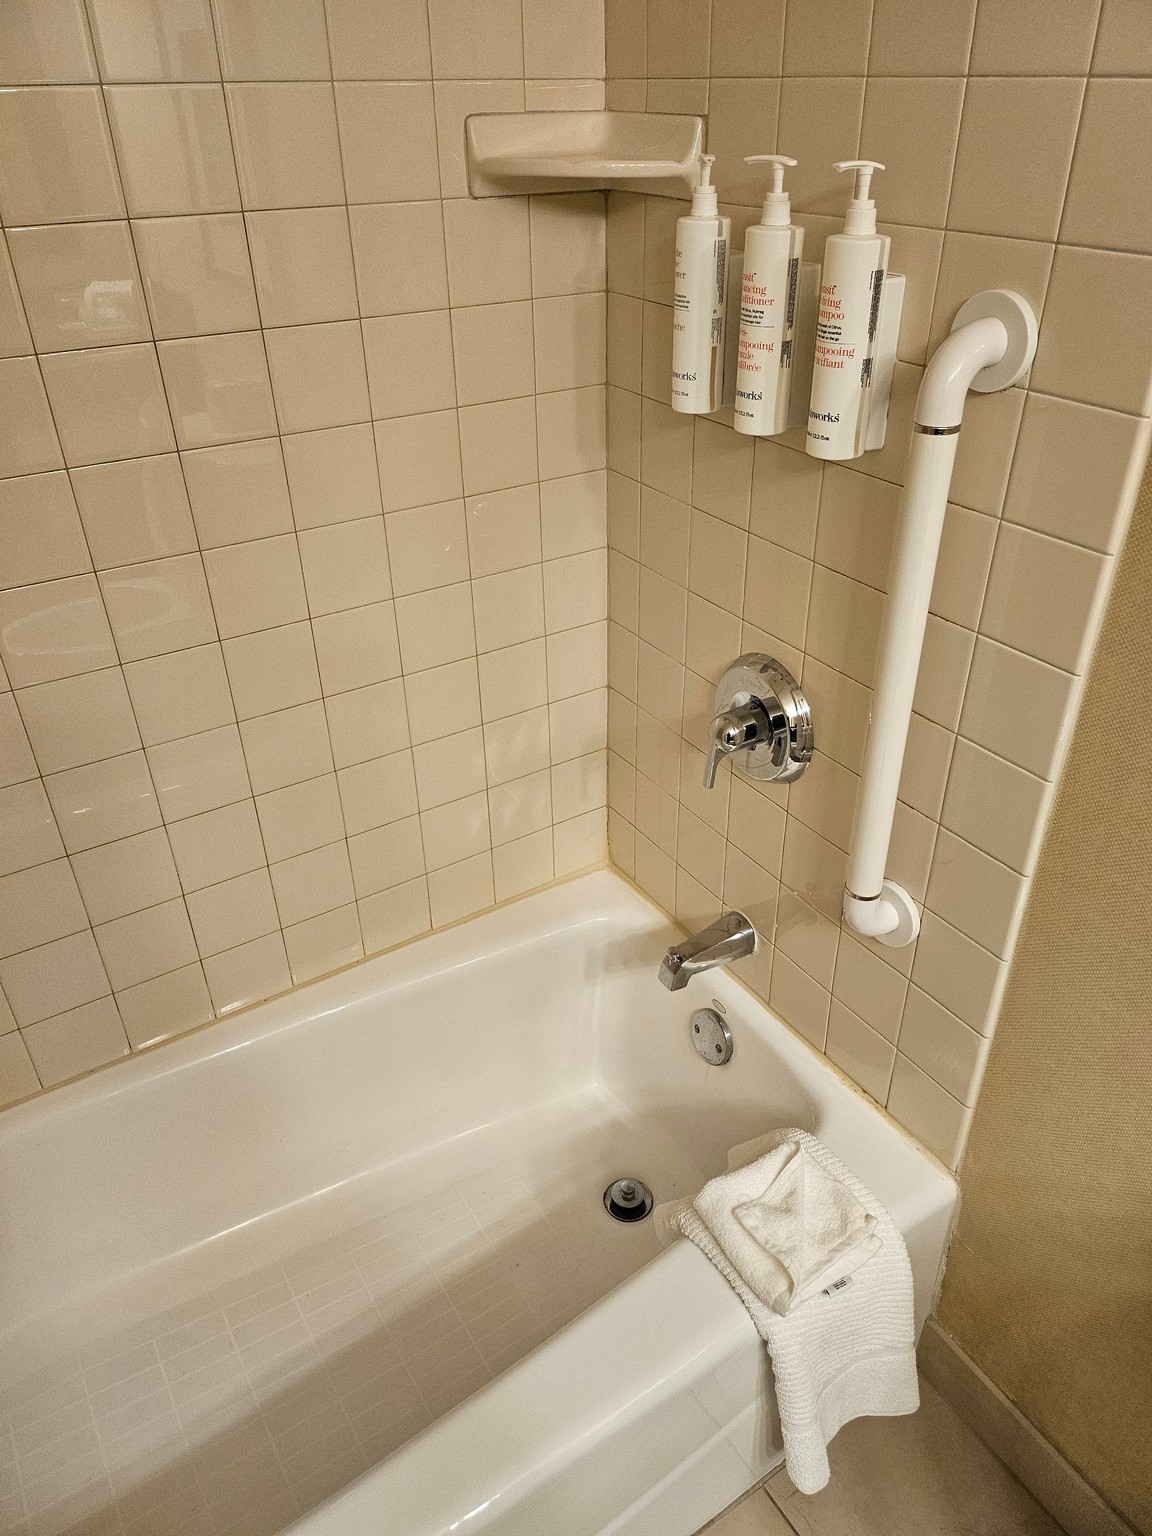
(511, 153)
(804, 345)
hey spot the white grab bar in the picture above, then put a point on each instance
(992, 343)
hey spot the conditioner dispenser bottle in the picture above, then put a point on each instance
(699, 301)
(855, 264)
(772, 252)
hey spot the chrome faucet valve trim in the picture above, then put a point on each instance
(762, 713)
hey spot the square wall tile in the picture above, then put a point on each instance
(165, 1006)
(54, 978)
(1014, 155)
(54, 630)
(38, 906)
(488, 250)
(401, 115)
(387, 281)
(76, 1042)
(1075, 471)
(272, 39)
(1097, 330)
(302, 258)
(287, 747)
(301, 817)
(571, 430)
(79, 720)
(217, 845)
(435, 627)
(498, 445)
(197, 274)
(927, 1110)
(126, 876)
(42, 44)
(476, 39)
(60, 165)
(370, 722)
(386, 857)
(108, 403)
(257, 585)
(568, 244)
(409, 361)
(504, 529)
(134, 509)
(287, 146)
(274, 669)
(374, 42)
(102, 802)
(146, 944)
(180, 694)
(313, 883)
(420, 456)
(377, 792)
(493, 349)
(1017, 707)
(199, 773)
(28, 832)
(174, 149)
(318, 376)
(324, 944)
(332, 475)
(357, 647)
(157, 607)
(30, 443)
(80, 284)
(248, 974)
(233, 913)
(238, 491)
(218, 388)
(345, 566)
(41, 536)
(428, 547)
(1026, 569)
(154, 39)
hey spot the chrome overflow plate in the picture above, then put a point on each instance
(763, 718)
(711, 1037)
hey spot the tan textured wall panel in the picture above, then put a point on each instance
(1049, 1283)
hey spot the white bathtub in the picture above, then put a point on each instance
(251, 1277)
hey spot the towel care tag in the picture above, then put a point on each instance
(837, 1286)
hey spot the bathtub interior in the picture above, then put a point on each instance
(312, 1240)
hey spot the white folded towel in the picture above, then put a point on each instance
(782, 1235)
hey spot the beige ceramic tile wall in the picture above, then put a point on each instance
(1017, 144)
(302, 570)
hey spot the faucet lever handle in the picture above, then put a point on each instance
(733, 731)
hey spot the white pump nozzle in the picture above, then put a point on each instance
(777, 207)
(704, 197)
(861, 219)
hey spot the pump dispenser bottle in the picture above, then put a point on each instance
(855, 264)
(772, 252)
(700, 300)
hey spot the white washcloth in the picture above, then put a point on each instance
(789, 1226)
(834, 1356)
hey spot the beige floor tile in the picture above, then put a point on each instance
(924, 1475)
(754, 1516)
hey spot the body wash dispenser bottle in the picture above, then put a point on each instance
(772, 253)
(851, 286)
(700, 301)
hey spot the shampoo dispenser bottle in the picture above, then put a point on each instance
(851, 284)
(772, 252)
(699, 301)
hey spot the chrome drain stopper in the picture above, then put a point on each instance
(628, 1200)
